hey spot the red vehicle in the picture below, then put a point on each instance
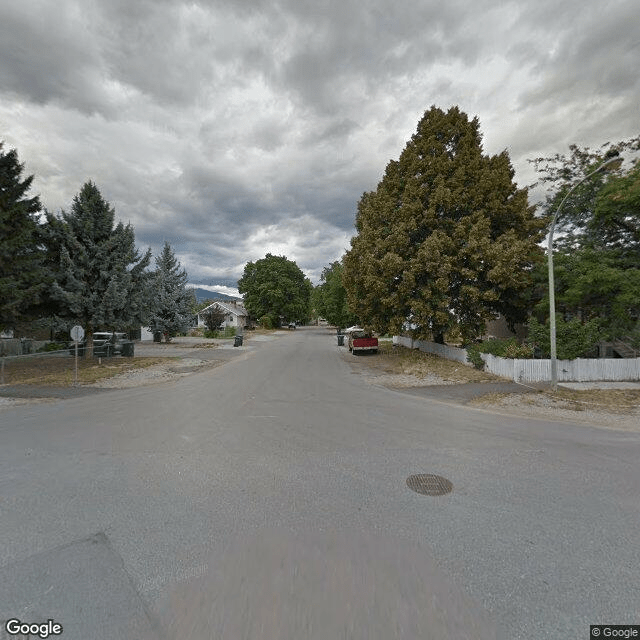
(362, 341)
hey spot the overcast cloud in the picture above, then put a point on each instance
(236, 128)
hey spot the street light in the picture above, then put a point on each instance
(613, 158)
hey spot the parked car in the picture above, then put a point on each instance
(108, 343)
(360, 341)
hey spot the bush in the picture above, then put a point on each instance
(573, 337)
(266, 322)
(508, 348)
(228, 332)
(52, 346)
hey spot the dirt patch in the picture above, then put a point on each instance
(604, 408)
(400, 367)
(160, 372)
(57, 370)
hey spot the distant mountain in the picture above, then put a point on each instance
(205, 294)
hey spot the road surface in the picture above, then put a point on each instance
(268, 498)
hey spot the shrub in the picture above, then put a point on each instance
(573, 337)
(52, 346)
(266, 322)
(508, 348)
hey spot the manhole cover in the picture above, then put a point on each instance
(429, 485)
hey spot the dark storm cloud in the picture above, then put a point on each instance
(239, 127)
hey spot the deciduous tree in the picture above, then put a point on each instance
(446, 240)
(275, 287)
(331, 297)
(597, 251)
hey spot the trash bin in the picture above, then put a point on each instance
(157, 336)
(237, 341)
(341, 340)
(127, 349)
(26, 346)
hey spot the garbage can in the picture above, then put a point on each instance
(237, 341)
(127, 349)
(341, 340)
(157, 336)
(26, 345)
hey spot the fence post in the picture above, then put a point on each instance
(2, 370)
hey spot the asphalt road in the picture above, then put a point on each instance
(267, 498)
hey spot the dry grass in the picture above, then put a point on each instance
(59, 371)
(611, 401)
(403, 361)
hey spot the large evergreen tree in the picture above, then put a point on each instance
(172, 302)
(100, 278)
(22, 279)
(275, 287)
(447, 239)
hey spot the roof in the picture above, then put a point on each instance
(235, 309)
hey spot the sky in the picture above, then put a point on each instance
(237, 128)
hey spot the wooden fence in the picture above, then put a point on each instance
(580, 370)
(529, 370)
(442, 350)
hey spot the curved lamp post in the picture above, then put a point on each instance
(614, 158)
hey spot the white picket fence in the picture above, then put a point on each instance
(580, 370)
(526, 370)
(442, 350)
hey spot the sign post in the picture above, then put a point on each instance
(77, 333)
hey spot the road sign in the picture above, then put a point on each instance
(77, 333)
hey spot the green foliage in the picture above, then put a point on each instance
(52, 346)
(577, 223)
(330, 297)
(573, 337)
(22, 281)
(172, 302)
(227, 332)
(213, 318)
(275, 287)
(504, 348)
(266, 322)
(597, 256)
(99, 278)
(446, 240)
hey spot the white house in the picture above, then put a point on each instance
(235, 314)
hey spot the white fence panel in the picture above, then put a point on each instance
(580, 370)
(442, 350)
(528, 370)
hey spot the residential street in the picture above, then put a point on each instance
(268, 498)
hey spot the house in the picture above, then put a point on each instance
(235, 314)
